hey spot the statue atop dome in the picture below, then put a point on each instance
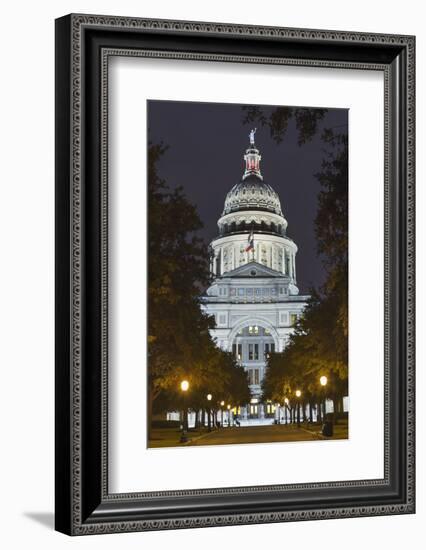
(251, 136)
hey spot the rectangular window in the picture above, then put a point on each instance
(269, 348)
(251, 351)
(293, 319)
(234, 350)
(256, 352)
(241, 292)
(239, 351)
(253, 375)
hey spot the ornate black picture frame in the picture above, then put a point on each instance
(84, 44)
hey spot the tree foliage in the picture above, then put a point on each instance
(319, 344)
(179, 342)
(306, 119)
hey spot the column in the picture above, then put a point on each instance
(294, 266)
(221, 260)
(284, 259)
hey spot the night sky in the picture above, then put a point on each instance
(207, 142)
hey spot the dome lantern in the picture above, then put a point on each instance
(252, 159)
(252, 192)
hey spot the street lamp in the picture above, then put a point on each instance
(209, 426)
(184, 386)
(229, 415)
(298, 394)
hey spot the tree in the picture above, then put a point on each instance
(178, 331)
(179, 341)
(319, 345)
(306, 119)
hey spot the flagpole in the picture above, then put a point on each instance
(252, 233)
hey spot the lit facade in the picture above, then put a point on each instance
(254, 295)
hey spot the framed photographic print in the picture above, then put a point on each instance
(234, 274)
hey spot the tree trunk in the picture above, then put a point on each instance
(311, 418)
(151, 398)
(336, 412)
(150, 406)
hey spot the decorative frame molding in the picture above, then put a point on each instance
(84, 43)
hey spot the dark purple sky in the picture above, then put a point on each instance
(207, 142)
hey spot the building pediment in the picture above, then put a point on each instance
(254, 270)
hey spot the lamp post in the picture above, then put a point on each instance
(184, 386)
(286, 402)
(229, 415)
(209, 425)
(323, 381)
(298, 394)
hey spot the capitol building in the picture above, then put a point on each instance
(254, 296)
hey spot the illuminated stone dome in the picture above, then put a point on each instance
(252, 193)
(252, 204)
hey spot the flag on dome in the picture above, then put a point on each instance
(250, 245)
